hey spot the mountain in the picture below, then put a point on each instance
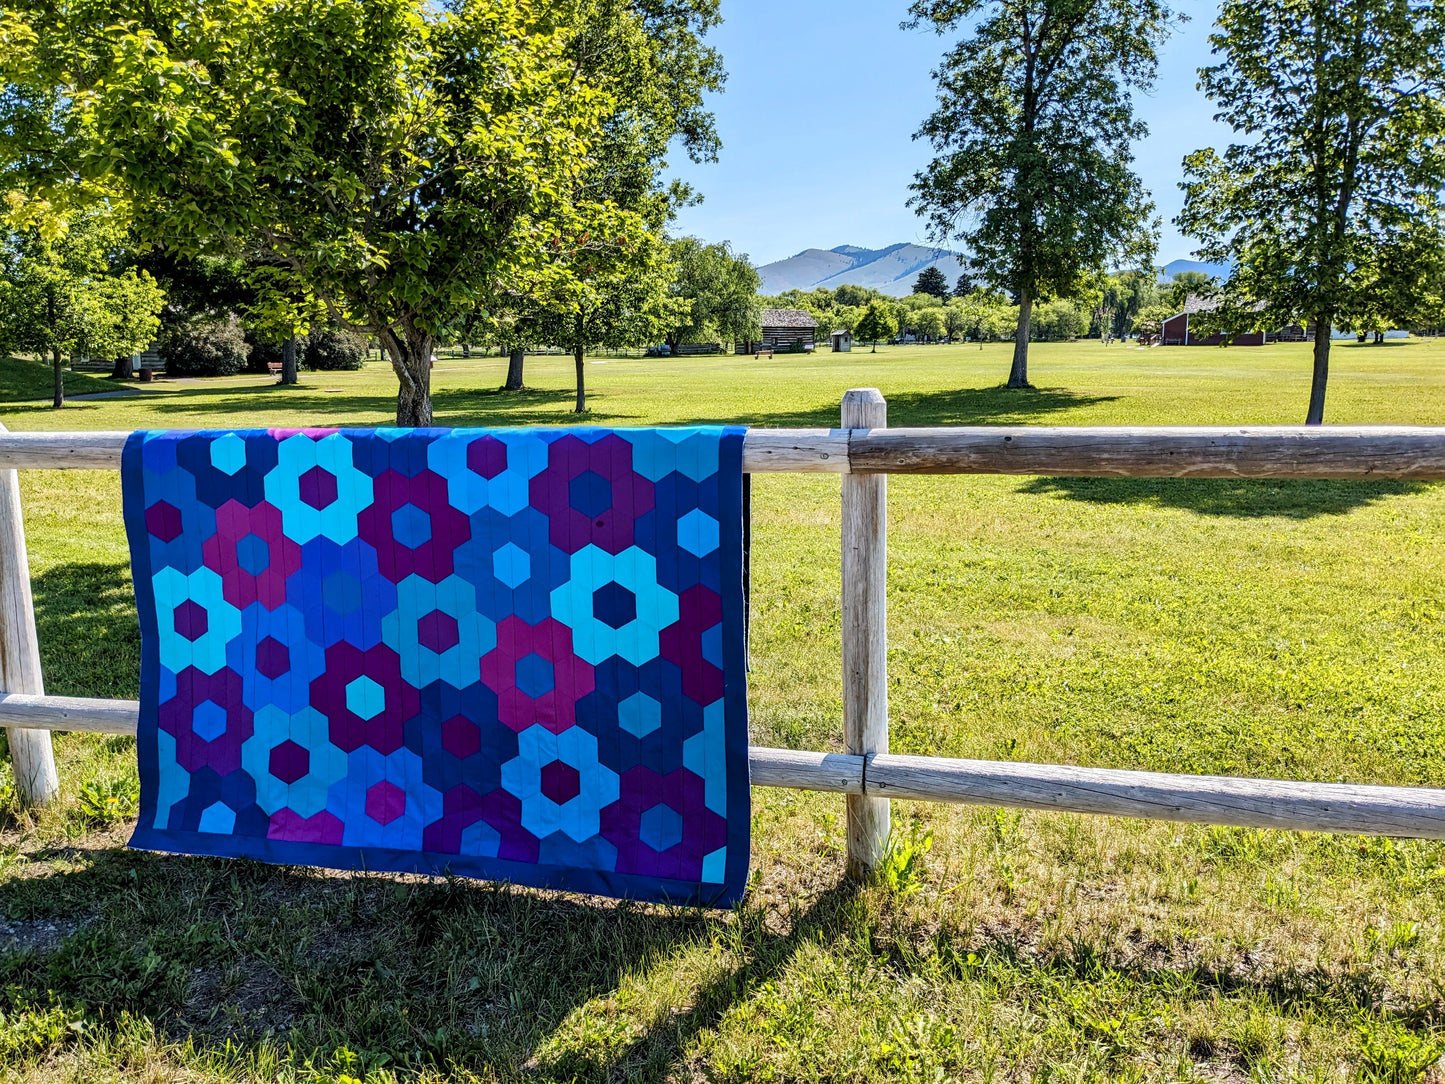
(1173, 267)
(890, 270)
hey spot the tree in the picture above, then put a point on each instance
(1126, 294)
(930, 323)
(877, 323)
(1032, 137)
(965, 284)
(1338, 180)
(931, 281)
(399, 161)
(1149, 321)
(718, 291)
(63, 294)
(1185, 283)
(852, 296)
(958, 321)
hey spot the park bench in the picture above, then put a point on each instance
(765, 352)
(864, 452)
(274, 368)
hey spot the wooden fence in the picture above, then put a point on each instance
(864, 451)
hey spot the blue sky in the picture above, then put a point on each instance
(822, 100)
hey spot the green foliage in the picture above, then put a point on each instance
(931, 281)
(717, 291)
(1033, 137)
(334, 349)
(929, 323)
(877, 323)
(901, 871)
(1059, 321)
(397, 161)
(205, 346)
(106, 802)
(1149, 321)
(65, 293)
(1330, 205)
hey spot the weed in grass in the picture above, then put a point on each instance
(109, 801)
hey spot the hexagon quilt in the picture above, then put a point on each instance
(512, 654)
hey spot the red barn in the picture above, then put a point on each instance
(1176, 330)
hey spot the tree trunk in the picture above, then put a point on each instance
(1018, 376)
(124, 368)
(1316, 415)
(59, 380)
(578, 353)
(288, 361)
(466, 350)
(514, 370)
(410, 355)
(1379, 337)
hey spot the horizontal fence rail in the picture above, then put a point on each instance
(1247, 803)
(1325, 452)
(868, 773)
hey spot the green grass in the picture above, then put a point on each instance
(1270, 628)
(22, 380)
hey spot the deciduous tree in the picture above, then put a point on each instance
(877, 323)
(1032, 135)
(66, 293)
(400, 161)
(1335, 184)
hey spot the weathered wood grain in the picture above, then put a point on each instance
(1342, 452)
(75, 450)
(812, 451)
(31, 755)
(69, 713)
(1206, 799)
(799, 770)
(865, 630)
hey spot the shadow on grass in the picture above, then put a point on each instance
(229, 955)
(1240, 498)
(961, 406)
(89, 635)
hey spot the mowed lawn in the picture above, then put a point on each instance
(1286, 629)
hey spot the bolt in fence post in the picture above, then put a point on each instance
(31, 754)
(865, 632)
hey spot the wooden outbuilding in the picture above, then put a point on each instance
(842, 341)
(1176, 330)
(786, 328)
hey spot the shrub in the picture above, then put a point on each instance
(206, 347)
(331, 348)
(263, 353)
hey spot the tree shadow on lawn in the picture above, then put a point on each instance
(1240, 498)
(345, 973)
(404, 972)
(89, 635)
(957, 407)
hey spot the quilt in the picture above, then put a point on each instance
(512, 654)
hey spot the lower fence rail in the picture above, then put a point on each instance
(1407, 812)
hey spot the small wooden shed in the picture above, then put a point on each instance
(842, 341)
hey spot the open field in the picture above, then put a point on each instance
(1286, 629)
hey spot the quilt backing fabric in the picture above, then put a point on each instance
(510, 654)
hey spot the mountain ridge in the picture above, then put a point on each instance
(890, 270)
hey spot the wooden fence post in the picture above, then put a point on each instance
(865, 632)
(31, 754)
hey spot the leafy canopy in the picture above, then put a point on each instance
(1032, 133)
(1329, 204)
(395, 162)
